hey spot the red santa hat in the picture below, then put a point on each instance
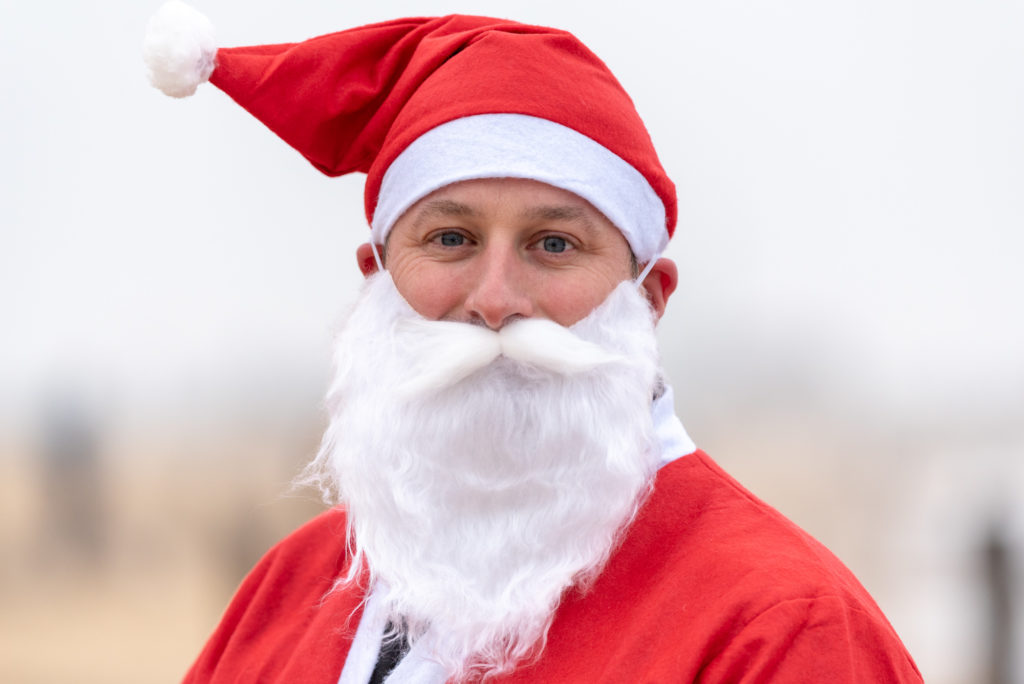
(418, 104)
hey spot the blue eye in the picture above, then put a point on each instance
(452, 239)
(555, 244)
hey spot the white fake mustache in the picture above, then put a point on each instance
(457, 350)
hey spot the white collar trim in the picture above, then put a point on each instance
(672, 437)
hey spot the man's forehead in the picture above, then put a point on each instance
(525, 198)
(441, 206)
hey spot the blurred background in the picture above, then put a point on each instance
(846, 338)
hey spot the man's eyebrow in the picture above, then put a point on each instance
(444, 207)
(558, 213)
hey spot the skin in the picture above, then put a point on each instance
(493, 250)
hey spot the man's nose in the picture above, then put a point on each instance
(500, 291)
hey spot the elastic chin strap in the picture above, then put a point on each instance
(647, 270)
(376, 256)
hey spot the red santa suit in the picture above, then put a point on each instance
(710, 584)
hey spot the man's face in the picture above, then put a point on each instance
(493, 250)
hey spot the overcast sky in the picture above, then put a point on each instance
(849, 173)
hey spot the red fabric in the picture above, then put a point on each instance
(710, 585)
(354, 100)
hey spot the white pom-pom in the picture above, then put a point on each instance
(179, 49)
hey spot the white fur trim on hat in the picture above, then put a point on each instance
(520, 146)
(179, 49)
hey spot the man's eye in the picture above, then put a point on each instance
(452, 239)
(555, 244)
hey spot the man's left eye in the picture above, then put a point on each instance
(555, 244)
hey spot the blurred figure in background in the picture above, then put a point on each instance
(73, 523)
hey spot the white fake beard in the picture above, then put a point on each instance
(479, 487)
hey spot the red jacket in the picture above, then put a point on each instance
(709, 585)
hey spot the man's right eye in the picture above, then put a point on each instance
(452, 239)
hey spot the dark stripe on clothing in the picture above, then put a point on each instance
(393, 648)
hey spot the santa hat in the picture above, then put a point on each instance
(418, 104)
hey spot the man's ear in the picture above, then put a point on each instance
(659, 285)
(367, 263)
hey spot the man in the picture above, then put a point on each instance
(517, 501)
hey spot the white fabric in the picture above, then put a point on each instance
(672, 437)
(520, 146)
(416, 667)
(365, 649)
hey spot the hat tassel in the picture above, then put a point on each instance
(179, 49)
